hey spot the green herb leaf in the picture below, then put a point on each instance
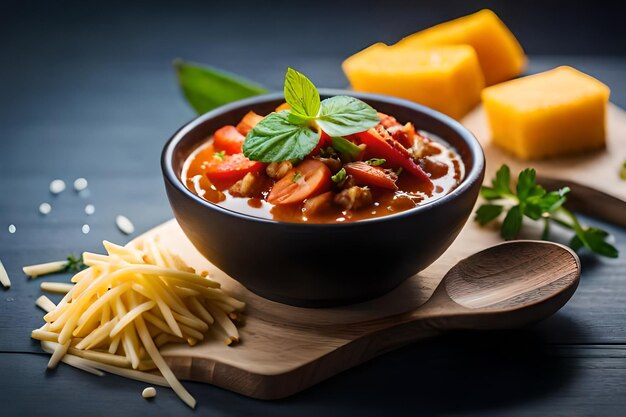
(276, 139)
(74, 264)
(343, 116)
(487, 213)
(375, 162)
(301, 94)
(339, 176)
(206, 88)
(512, 223)
(595, 240)
(347, 150)
(526, 183)
(533, 201)
(502, 180)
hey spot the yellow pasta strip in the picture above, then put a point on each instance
(115, 343)
(97, 335)
(157, 322)
(58, 354)
(199, 309)
(224, 321)
(44, 335)
(45, 303)
(130, 316)
(166, 312)
(185, 292)
(126, 253)
(167, 373)
(100, 302)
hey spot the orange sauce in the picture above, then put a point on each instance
(439, 160)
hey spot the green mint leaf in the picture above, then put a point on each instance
(375, 161)
(343, 116)
(206, 88)
(339, 176)
(526, 184)
(276, 139)
(512, 223)
(502, 180)
(487, 213)
(347, 150)
(595, 240)
(301, 94)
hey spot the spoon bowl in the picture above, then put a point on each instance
(508, 285)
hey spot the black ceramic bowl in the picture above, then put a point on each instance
(317, 265)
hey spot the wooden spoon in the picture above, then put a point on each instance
(508, 285)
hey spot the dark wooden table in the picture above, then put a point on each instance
(89, 92)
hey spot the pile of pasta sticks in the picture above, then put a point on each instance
(129, 303)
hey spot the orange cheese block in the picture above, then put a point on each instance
(500, 54)
(446, 78)
(557, 112)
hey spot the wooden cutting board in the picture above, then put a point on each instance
(286, 349)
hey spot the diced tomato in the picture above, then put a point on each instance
(381, 145)
(232, 168)
(228, 139)
(306, 180)
(324, 141)
(365, 174)
(248, 122)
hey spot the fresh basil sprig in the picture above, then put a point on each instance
(293, 134)
(533, 201)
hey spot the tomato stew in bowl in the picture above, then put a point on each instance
(328, 186)
(285, 254)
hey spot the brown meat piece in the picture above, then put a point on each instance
(249, 186)
(354, 198)
(333, 164)
(277, 170)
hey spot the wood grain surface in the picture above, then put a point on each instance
(287, 349)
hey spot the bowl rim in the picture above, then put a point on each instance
(471, 176)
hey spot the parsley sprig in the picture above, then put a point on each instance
(293, 134)
(531, 200)
(74, 263)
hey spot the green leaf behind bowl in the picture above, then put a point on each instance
(206, 88)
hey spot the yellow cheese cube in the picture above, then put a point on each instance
(446, 78)
(500, 54)
(557, 112)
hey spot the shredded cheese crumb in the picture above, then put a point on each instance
(149, 392)
(4, 277)
(124, 224)
(126, 305)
